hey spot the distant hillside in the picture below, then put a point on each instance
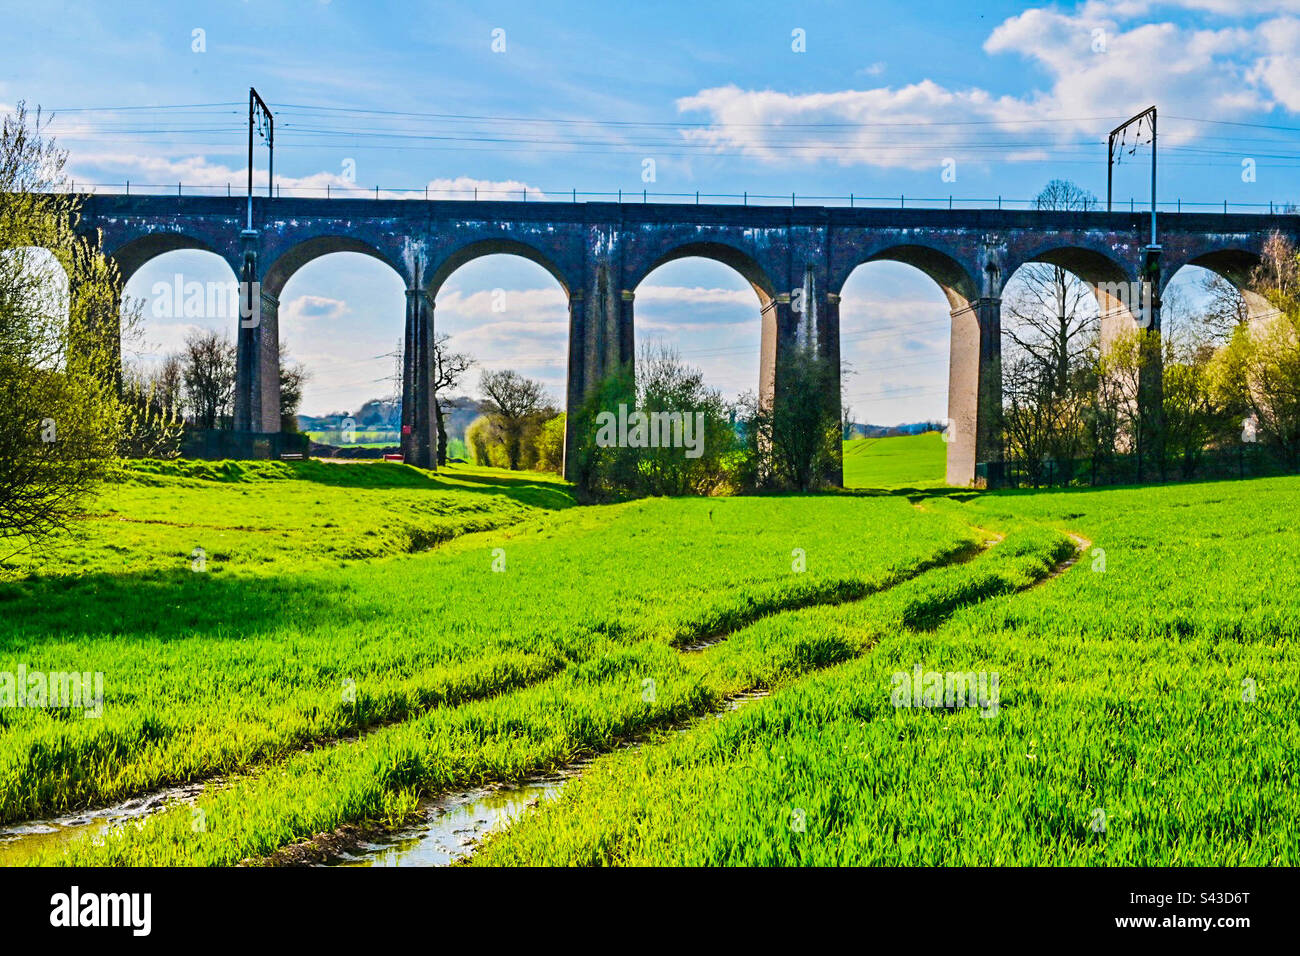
(380, 414)
(858, 430)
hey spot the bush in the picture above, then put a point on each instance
(659, 431)
(484, 449)
(550, 445)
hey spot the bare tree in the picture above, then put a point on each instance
(169, 384)
(1062, 194)
(208, 371)
(1050, 335)
(449, 369)
(1028, 415)
(1053, 320)
(846, 410)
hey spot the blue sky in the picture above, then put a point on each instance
(817, 98)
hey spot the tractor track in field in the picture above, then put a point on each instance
(960, 555)
(447, 828)
(18, 838)
(1081, 545)
(135, 807)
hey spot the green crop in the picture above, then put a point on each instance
(492, 629)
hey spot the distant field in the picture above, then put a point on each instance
(908, 461)
(251, 516)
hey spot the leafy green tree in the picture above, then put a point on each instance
(478, 442)
(1124, 389)
(598, 468)
(796, 438)
(152, 426)
(516, 406)
(1195, 416)
(656, 428)
(58, 351)
(693, 418)
(1257, 373)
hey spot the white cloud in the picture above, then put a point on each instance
(493, 304)
(299, 314)
(466, 187)
(1127, 9)
(695, 296)
(1279, 69)
(1215, 74)
(307, 307)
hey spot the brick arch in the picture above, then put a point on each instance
(1090, 264)
(438, 273)
(721, 252)
(133, 254)
(65, 263)
(1111, 281)
(288, 262)
(1234, 265)
(956, 281)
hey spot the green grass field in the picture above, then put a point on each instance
(908, 461)
(363, 636)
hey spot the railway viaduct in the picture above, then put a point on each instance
(796, 258)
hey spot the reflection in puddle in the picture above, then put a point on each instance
(453, 825)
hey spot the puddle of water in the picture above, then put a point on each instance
(452, 826)
(739, 701)
(20, 840)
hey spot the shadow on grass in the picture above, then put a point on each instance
(528, 488)
(537, 490)
(173, 605)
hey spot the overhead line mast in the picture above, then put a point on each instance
(1114, 158)
(259, 114)
(1151, 254)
